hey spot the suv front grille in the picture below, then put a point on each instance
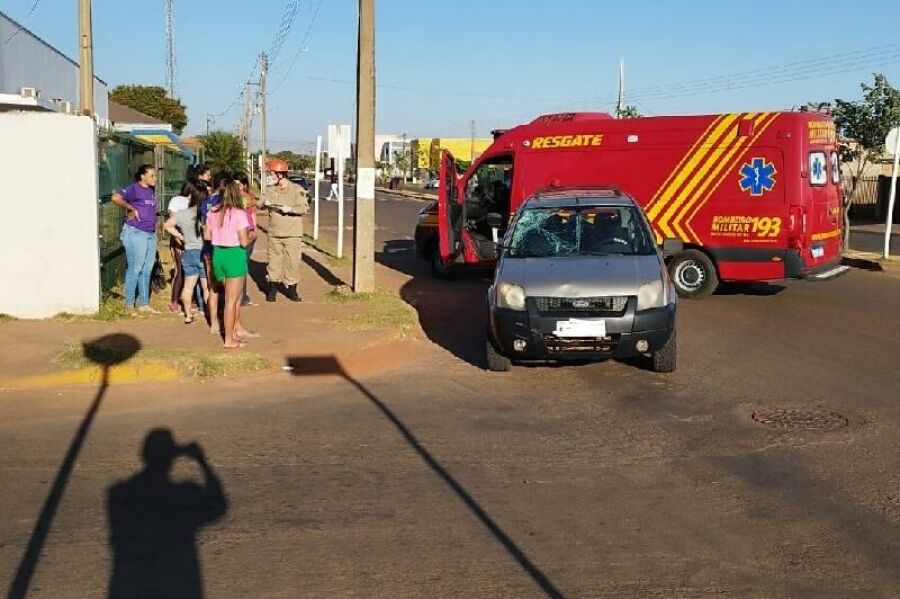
(581, 304)
(574, 345)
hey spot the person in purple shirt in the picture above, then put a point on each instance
(139, 236)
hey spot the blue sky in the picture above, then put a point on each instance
(499, 62)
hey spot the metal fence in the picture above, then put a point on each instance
(119, 156)
(866, 190)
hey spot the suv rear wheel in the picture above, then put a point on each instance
(693, 274)
(664, 359)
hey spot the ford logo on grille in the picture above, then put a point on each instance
(580, 303)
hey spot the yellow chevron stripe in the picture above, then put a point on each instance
(763, 122)
(728, 164)
(697, 168)
(658, 201)
(730, 144)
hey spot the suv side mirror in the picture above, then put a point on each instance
(672, 247)
(494, 220)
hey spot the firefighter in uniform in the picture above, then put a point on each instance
(287, 203)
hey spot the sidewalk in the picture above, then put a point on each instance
(320, 325)
(877, 229)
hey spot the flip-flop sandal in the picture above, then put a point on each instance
(188, 319)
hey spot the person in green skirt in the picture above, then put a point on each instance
(227, 229)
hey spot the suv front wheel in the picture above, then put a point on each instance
(664, 359)
(496, 362)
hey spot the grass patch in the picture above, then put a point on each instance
(199, 363)
(328, 251)
(382, 310)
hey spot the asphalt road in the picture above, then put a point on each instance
(438, 479)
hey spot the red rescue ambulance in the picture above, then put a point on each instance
(753, 196)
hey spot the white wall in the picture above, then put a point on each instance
(48, 164)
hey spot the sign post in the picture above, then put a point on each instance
(316, 179)
(340, 178)
(339, 147)
(892, 145)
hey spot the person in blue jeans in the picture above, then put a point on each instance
(139, 236)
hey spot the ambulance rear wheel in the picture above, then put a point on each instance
(438, 268)
(693, 274)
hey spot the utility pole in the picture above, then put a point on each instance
(620, 105)
(171, 68)
(209, 121)
(245, 126)
(85, 58)
(263, 73)
(364, 214)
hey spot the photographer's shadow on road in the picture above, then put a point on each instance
(154, 522)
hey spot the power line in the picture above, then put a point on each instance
(23, 23)
(442, 92)
(301, 49)
(287, 23)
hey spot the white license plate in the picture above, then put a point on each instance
(575, 327)
(818, 251)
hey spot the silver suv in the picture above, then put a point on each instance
(580, 277)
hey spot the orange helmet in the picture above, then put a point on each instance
(277, 165)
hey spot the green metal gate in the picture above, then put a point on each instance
(119, 156)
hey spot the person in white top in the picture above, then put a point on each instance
(176, 247)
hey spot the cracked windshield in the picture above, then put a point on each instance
(554, 232)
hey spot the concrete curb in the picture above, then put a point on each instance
(150, 372)
(871, 261)
(158, 372)
(422, 197)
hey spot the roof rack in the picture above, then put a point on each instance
(606, 191)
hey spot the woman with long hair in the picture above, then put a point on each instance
(139, 236)
(176, 247)
(185, 227)
(250, 208)
(227, 228)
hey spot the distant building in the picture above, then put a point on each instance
(34, 75)
(146, 128)
(426, 151)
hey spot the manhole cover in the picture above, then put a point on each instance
(800, 420)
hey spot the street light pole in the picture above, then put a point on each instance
(364, 214)
(85, 58)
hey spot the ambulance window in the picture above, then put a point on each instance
(835, 168)
(818, 172)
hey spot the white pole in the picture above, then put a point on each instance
(890, 213)
(340, 170)
(316, 180)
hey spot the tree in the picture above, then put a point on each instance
(402, 162)
(223, 151)
(296, 162)
(152, 101)
(863, 125)
(628, 112)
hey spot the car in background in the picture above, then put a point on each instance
(299, 180)
(580, 277)
(431, 184)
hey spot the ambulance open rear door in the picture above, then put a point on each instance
(450, 210)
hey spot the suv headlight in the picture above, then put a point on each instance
(652, 295)
(510, 296)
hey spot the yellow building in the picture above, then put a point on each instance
(427, 151)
